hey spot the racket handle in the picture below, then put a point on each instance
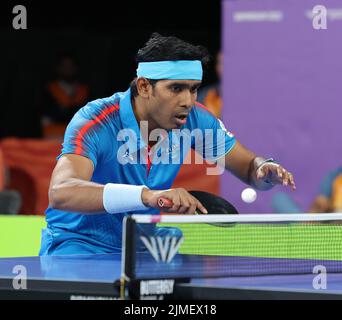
(165, 203)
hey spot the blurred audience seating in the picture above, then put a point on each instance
(10, 200)
(54, 130)
(2, 171)
(30, 163)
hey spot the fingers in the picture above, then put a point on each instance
(292, 182)
(262, 172)
(285, 178)
(195, 205)
(176, 203)
(281, 173)
(201, 207)
(189, 204)
(278, 175)
(183, 202)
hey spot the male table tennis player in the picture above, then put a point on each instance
(91, 190)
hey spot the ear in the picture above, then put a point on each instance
(144, 87)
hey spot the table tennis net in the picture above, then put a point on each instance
(250, 245)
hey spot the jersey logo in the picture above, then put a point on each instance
(224, 129)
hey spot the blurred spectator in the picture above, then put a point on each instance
(2, 172)
(329, 198)
(63, 96)
(10, 201)
(210, 95)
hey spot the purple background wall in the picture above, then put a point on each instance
(282, 91)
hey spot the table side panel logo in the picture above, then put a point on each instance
(162, 249)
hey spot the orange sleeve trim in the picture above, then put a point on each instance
(79, 139)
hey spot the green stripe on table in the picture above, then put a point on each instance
(302, 241)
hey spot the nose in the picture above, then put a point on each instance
(188, 99)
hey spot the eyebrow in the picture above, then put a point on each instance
(184, 86)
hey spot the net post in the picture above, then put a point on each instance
(128, 254)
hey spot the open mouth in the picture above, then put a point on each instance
(181, 117)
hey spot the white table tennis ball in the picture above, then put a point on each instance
(248, 195)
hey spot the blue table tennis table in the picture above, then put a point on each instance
(97, 277)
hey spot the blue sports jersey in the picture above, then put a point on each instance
(107, 132)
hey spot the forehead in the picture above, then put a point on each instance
(189, 83)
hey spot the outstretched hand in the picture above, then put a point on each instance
(275, 174)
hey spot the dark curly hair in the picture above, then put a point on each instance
(160, 48)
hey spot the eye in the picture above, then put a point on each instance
(194, 89)
(176, 89)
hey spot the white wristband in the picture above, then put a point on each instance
(121, 198)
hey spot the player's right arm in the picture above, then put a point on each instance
(70, 187)
(71, 190)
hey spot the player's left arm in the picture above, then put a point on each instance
(256, 171)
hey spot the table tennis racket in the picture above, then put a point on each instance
(213, 203)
